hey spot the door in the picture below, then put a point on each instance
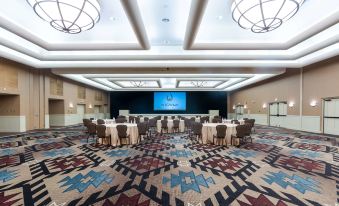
(277, 114)
(331, 116)
(80, 112)
(97, 112)
(105, 112)
(239, 111)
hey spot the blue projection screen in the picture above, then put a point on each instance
(169, 101)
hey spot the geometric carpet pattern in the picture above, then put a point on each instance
(58, 167)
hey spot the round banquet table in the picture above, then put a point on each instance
(209, 129)
(170, 126)
(107, 121)
(132, 131)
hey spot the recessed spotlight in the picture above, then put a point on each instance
(220, 17)
(114, 18)
(165, 20)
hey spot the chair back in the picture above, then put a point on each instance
(242, 131)
(165, 117)
(197, 128)
(86, 122)
(122, 131)
(91, 128)
(235, 121)
(146, 119)
(152, 122)
(137, 120)
(217, 117)
(192, 118)
(216, 120)
(142, 128)
(173, 117)
(176, 123)
(101, 131)
(121, 116)
(100, 121)
(245, 119)
(120, 120)
(131, 119)
(164, 123)
(187, 123)
(221, 131)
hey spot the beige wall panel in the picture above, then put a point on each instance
(321, 80)
(284, 87)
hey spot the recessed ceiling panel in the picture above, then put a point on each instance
(165, 20)
(113, 26)
(218, 26)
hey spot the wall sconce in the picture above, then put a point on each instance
(291, 104)
(313, 103)
(90, 106)
(276, 99)
(245, 106)
(264, 106)
(233, 107)
(70, 105)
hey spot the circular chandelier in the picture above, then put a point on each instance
(198, 84)
(138, 83)
(263, 15)
(69, 16)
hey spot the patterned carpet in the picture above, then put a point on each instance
(57, 167)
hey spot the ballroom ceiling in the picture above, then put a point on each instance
(193, 37)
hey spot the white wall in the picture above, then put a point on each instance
(304, 123)
(12, 123)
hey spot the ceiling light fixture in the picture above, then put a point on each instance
(138, 83)
(198, 84)
(68, 16)
(165, 20)
(262, 16)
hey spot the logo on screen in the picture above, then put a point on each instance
(170, 97)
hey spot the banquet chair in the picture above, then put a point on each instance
(221, 134)
(146, 119)
(176, 124)
(142, 130)
(92, 132)
(243, 132)
(131, 119)
(235, 121)
(193, 119)
(152, 126)
(120, 120)
(101, 133)
(218, 117)
(121, 116)
(251, 122)
(100, 121)
(164, 125)
(86, 122)
(197, 130)
(122, 133)
(216, 120)
(245, 119)
(173, 117)
(165, 117)
(137, 120)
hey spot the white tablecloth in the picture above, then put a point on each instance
(209, 129)
(132, 131)
(170, 125)
(107, 121)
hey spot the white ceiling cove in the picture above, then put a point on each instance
(196, 38)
